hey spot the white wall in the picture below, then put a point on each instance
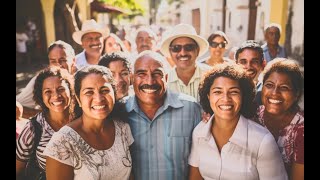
(237, 24)
(263, 18)
(297, 25)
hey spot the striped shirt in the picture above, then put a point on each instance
(251, 153)
(26, 139)
(162, 145)
(175, 84)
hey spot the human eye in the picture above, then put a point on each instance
(88, 93)
(216, 92)
(105, 90)
(285, 88)
(268, 85)
(234, 92)
(46, 92)
(61, 89)
(125, 73)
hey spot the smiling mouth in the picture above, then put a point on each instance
(98, 107)
(274, 101)
(225, 107)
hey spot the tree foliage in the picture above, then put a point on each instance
(134, 6)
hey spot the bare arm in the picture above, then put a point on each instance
(194, 173)
(57, 170)
(297, 172)
(20, 167)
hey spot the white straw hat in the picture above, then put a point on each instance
(183, 30)
(89, 26)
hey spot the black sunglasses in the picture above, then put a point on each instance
(187, 47)
(215, 44)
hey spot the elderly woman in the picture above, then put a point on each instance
(113, 43)
(230, 145)
(52, 92)
(218, 42)
(280, 113)
(96, 144)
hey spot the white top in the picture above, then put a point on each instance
(25, 98)
(251, 153)
(81, 60)
(21, 40)
(68, 147)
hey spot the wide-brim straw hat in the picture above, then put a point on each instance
(183, 30)
(89, 26)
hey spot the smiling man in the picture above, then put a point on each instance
(184, 46)
(90, 37)
(161, 122)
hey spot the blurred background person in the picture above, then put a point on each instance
(113, 43)
(272, 48)
(218, 43)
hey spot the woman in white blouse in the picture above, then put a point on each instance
(96, 144)
(230, 145)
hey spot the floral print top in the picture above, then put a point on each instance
(291, 138)
(68, 147)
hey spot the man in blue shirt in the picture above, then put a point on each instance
(272, 49)
(161, 122)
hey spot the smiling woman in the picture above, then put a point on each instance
(96, 144)
(280, 113)
(230, 145)
(52, 92)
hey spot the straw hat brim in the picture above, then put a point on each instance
(203, 44)
(78, 34)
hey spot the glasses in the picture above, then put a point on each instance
(187, 47)
(215, 44)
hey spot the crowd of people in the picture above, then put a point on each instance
(157, 109)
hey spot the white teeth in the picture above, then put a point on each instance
(250, 72)
(274, 101)
(98, 107)
(57, 103)
(225, 107)
(183, 59)
(95, 47)
(149, 91)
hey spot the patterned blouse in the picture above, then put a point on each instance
(25, 141)
(291, 138)
(68, 147)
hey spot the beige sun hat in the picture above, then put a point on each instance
(183, 30)
(89, 26)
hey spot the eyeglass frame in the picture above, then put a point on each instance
(186, 47)
(220, 45)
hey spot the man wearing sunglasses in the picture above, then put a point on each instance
(184, 46)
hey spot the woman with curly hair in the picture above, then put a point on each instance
(281, 91)
(230, 145)
(53, 93)
(96, 144)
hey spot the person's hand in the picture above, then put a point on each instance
(205, 117)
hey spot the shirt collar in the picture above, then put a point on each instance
(239, 136)
(173, 76)
(171, 99)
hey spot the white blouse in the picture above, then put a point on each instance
(251, 153)
(68, 147)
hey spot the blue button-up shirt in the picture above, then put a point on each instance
(162, 145)
(281, 52)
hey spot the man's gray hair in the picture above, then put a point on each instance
(156, 56)
(276, 25)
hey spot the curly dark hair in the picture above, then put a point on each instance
(63, 75)
(290, 68)
(118, 111)
(106, 59)
(235, 72)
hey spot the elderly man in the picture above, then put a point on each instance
(272, 49)
(184, 46)
(161, 122)
(145, 39)
(60, 54)
(90, 37)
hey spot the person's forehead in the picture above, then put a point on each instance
(273, 29)
(91, 34)
(182, 39)
(144, 34)
(147, 61)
